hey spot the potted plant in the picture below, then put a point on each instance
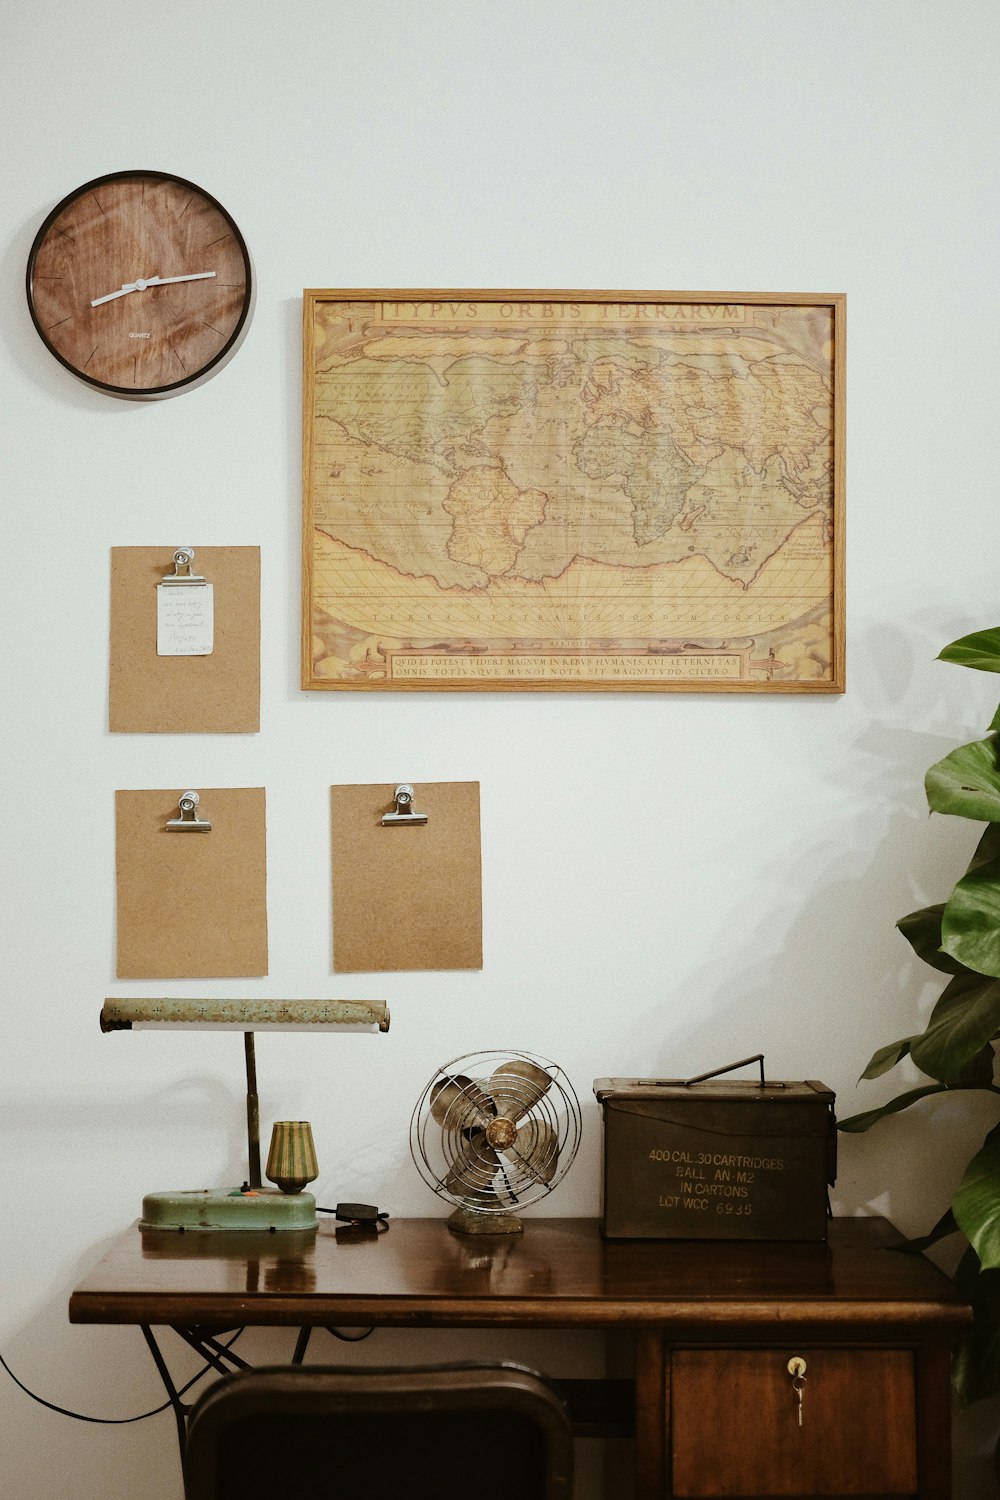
(956, 1049)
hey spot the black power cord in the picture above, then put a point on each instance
(79, 1416)
(359, 1214)
(350, 1213)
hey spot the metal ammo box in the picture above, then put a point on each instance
(721, 1160)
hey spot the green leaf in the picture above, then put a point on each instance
(988, 848)
(996, 720)
(967, 782)
(957, 994)
(964, 1020)
(945, 1226)
(978, 1073)
(970, 928)
(980, 650)
(857, 1123)
(976, 1368)
(922, 930)
(976, 1204)
(887, 1057)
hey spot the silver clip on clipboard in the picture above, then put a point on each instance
(188, 820)
(404, 811)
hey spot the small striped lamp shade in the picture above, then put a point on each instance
(291, 1161)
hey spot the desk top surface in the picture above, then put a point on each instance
(559, 1273)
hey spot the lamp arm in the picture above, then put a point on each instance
(253, 1113)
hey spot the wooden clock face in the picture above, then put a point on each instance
(140, 283)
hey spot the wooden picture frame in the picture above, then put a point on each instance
(573, 491)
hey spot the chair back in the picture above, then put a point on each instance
(472, 1432)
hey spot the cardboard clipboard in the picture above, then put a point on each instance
(214, 694)
(191, 904)
(407, 897)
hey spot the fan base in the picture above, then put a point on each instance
(468, 1221)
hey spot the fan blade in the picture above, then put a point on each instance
(536, 1149)
(473, 1167)
(516, 1087)
(460, 1103)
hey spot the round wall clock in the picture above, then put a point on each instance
(141, 284)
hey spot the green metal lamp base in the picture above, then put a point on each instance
(229, 1209)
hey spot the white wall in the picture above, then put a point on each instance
(670, 881)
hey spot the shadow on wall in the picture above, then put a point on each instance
(813, 974)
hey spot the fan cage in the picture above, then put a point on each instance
(451, 1153)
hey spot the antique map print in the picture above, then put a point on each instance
(504, 491)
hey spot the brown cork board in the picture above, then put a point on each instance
(407, 897)
(191, 905)
(214, 694)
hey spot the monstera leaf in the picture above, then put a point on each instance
(922, 930)
(980, 650)
(970, 927)
(858, 1123)
(967, 782)
(887, 1057)
(964, 1021)
(975, 1370)
(945, 1226)
(976, 1205)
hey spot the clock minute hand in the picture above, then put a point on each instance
(163, 280)
(142, 282)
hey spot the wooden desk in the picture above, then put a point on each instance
(712, 1326)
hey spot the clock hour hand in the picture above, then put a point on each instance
(129, 286)
(143, 282)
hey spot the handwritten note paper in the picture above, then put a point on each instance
(185, 619)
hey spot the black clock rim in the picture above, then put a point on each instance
(142, 392)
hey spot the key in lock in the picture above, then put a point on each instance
(796, 1368)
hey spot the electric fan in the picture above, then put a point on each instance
(493, 1132)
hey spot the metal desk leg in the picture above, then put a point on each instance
(219, 1356)
(180, 1410)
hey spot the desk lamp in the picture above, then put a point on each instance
(251, 1206)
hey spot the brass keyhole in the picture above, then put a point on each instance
(796, 1368)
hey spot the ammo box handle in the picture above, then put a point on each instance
(758, 1057)
(744, 1062)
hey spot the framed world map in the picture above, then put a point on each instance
(573, 491)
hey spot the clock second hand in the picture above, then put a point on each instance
(142, 282)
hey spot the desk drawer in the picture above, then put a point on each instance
(734, 1430)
